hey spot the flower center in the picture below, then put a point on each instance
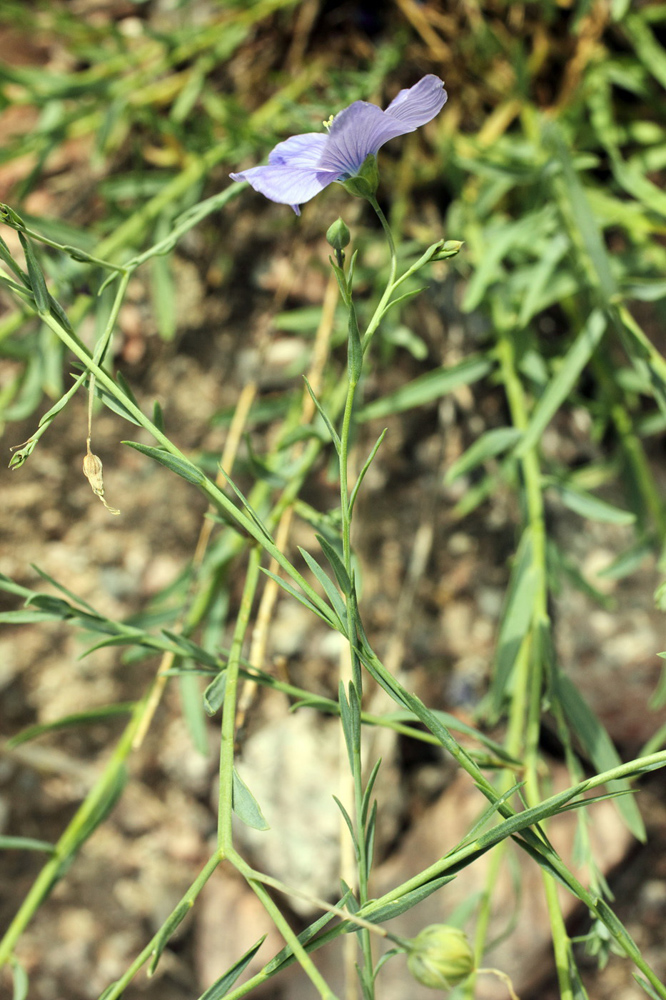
(327, 124)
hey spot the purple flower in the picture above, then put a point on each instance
(304, 165)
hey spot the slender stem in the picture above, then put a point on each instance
(224, 831)
(391, 284)
(530, 679)
(356, 672)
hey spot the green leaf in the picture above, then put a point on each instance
(192, 649)
(186, 470)
(370, 836)
(64, 590)
(336, 564)
(580, 214)
(221, 986)
(361, 475)
(335, 438)
(163, 296)
(246, 806)
(166, 931)
(20, 980)
(367, 794)
(96, 815)
(490, 444)
(627, 562)
(25, 844)
(91, 716)
(248, 508)
(590, 506)
(213, 698)
(348, 821)
(193, 711)
(286, 957)
(393, 909)
(560, 386)
(35, 276)
(647, 987)
(598, 746)
(286, 585)
(427, 388)
(158, 416)
(516, 619)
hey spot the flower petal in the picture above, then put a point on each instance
(355, 133)
(286, 184)
(299, 150)
(419, 104)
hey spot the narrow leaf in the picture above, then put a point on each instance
(222, 985)
(320, 410)
(35, 276)
(598, 746)
(393, 909)
(427, 388)
(166, 931)
(246, 806)
(214, 694)
(328, 586)
(361, 475)
(350, 825)
(19, 979)
(516, 619)
(89, 717)
(186, 470)
(336, 564)
(329, 619)
(560, 386)
(25, 844)
(590, 506)
(490, 444)
(367, 794)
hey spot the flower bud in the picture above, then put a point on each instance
(338, 235)
(440, 956)
(449, 248)
(364, 184)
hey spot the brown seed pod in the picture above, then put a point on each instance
(92, 470)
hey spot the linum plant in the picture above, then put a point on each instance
(439, 956)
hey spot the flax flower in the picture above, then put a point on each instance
(302, 166)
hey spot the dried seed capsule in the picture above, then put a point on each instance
(92, 470)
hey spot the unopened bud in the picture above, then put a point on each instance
(338, 235)
(440, 957)
(449, 248)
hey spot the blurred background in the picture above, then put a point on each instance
(549, 162)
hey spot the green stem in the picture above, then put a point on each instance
(225, 807)
(299, 952)
(529, 681)
(356, 672)
(391, 284)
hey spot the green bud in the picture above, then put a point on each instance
(338, 235)
(449, 248)
(440, 956)
(364, 184)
